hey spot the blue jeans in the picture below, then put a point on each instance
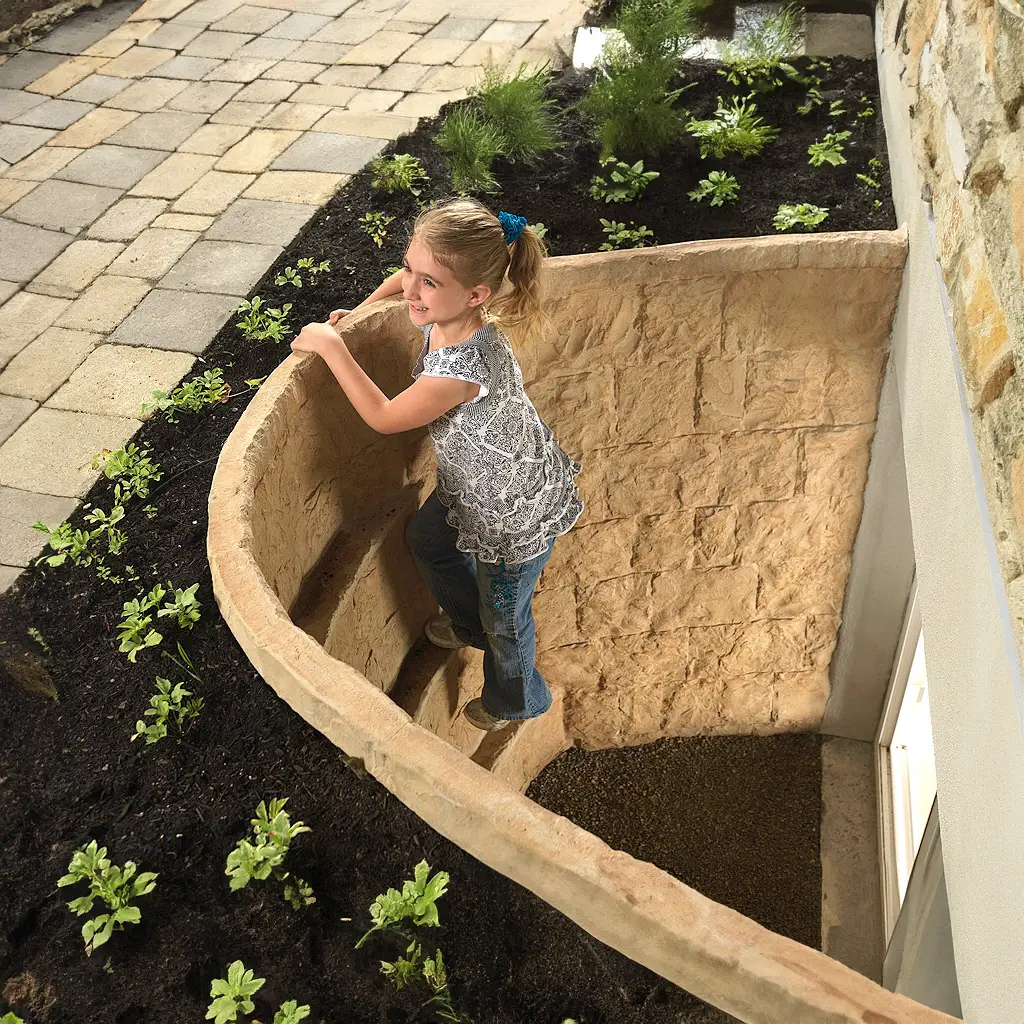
(491, 608)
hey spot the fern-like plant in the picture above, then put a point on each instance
(733, 129)
(519, 110)
(470, 145)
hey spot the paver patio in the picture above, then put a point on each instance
(155, 158)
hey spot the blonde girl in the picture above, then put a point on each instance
(505, 489)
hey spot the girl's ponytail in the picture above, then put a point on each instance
(518, 309)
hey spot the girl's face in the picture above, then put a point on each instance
(432, 291)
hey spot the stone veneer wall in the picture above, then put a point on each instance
(962, 65)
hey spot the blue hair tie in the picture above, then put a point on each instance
(512, 225)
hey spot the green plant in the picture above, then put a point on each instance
(539, 229)
(273, 833)
(11, 1018)
(868, 182)
(400, 173)
(721, 187)
(732, 129)
(134, 630)
(231, 995)
(193, 396)
(627, 183)
(517, 108)
(836, 108)
(131, 469)
(37, 635)
(416, 902)
(875, 164)
(376, 226)
(470, 145)
(621, 237)
(806, 215)
(261, 322)
(756, 60)
(168, 703)
(390, 272)
(291, 1013)
(183, 606)
(292, 276)
(114, 886)
(866, 112)
(829, 150)
(814, 100)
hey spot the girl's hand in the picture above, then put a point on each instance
(337, 315)
(315, 337)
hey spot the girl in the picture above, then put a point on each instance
(505, 489)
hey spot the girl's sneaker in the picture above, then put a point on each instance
(484, 719)
(440, 633)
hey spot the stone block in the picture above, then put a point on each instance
(586, 554)
(798, 701)
(298, 26)
(803, 586)
(94, 128)
(76, 268)
(295, 71)
(14, 102)
(27, 66)
(322, 53)
(205, 97)
(374, 126)
(759, 466)
(482, 52)
(25, 250)
(66, 74)
(53, 114)
(578, 407)
(381, 49)
(19, 543)
(640, 418)
(81, 31)
(266, 48)
(333, 96)
(137, 62)
(402, 77)
(449, 79)
(109, 46)
(460, 28)
(173, 37)
(365, 100)
(240, 70)
(112, 166)
(63, 205)
(213, 193)
(803, 526)
(332, 154)
(44, 364)
(7, 289)
(43, 163)
(188, 69)
(703, 597)
(97, 88)
(162, 320)
(256, 151)
(255, 220)
(147, 95)
(293, 116)
(423, 104)
(250, 19)
(693, 325)
(616, 607)
(164, 130)
(153, 253)
(743, 648)
(107, 301)
(225, 268)
(178, 173)
(162, 10)
(213, 140)
(123, 222)
(13, 412)
(785, 388)
(18, 141)
(517, 33)
(554, 612)
(721, 393)
(714, 537)
(833, 35)
(183, 222)
(837, 460)
(245, 114)
(348, 74)
(115, 380)
(295, 187)
(350, 31)
(263, 91)
(852, 386)
(207, 12)
(52, 452)
(663, 542)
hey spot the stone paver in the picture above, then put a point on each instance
(227, 123)
(115, 380)
(44, 364)
(63, 205)
(52, 451)
(163, 320)
(19, 543)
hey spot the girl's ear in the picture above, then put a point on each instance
(479, 295)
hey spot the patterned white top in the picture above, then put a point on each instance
(508, 486)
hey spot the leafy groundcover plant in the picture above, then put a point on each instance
(621, 237)
(625, 182)
(168, 704)
(805, 215)
(720, 187)
(261, 322)
(733, 129)
(829, 150)
(400, 173)
(134, 630)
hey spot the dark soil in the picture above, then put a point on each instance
(68, 773)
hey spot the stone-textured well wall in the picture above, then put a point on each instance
(962, 65)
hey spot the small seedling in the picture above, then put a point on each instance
(732, 129)
(757, 59)
(116, 539)
(829, 150)
(183, 606)
(261, 322)
(621, 237)
(114, 886)
(875, 164)
(391, 271)
(805, 215)
(836, 108)
(11, 1018)
(539, 229)
(721, 187)
(867, 181)
(231, 995)
(193, 396)
(131, 469)
(37, 635)
(866, 112)
(814, 100)
(376, 226)
(168, 704)
(134, 630)
(291, 1013)
(400, 173)
(255, 382)
(416, 902)
(273, 833)
(289, 276)
(627, 182)
(108, 965)
(293, 276)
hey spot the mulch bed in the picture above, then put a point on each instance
(736, 817)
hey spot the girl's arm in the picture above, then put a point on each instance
(391, 286)
(415, 407)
